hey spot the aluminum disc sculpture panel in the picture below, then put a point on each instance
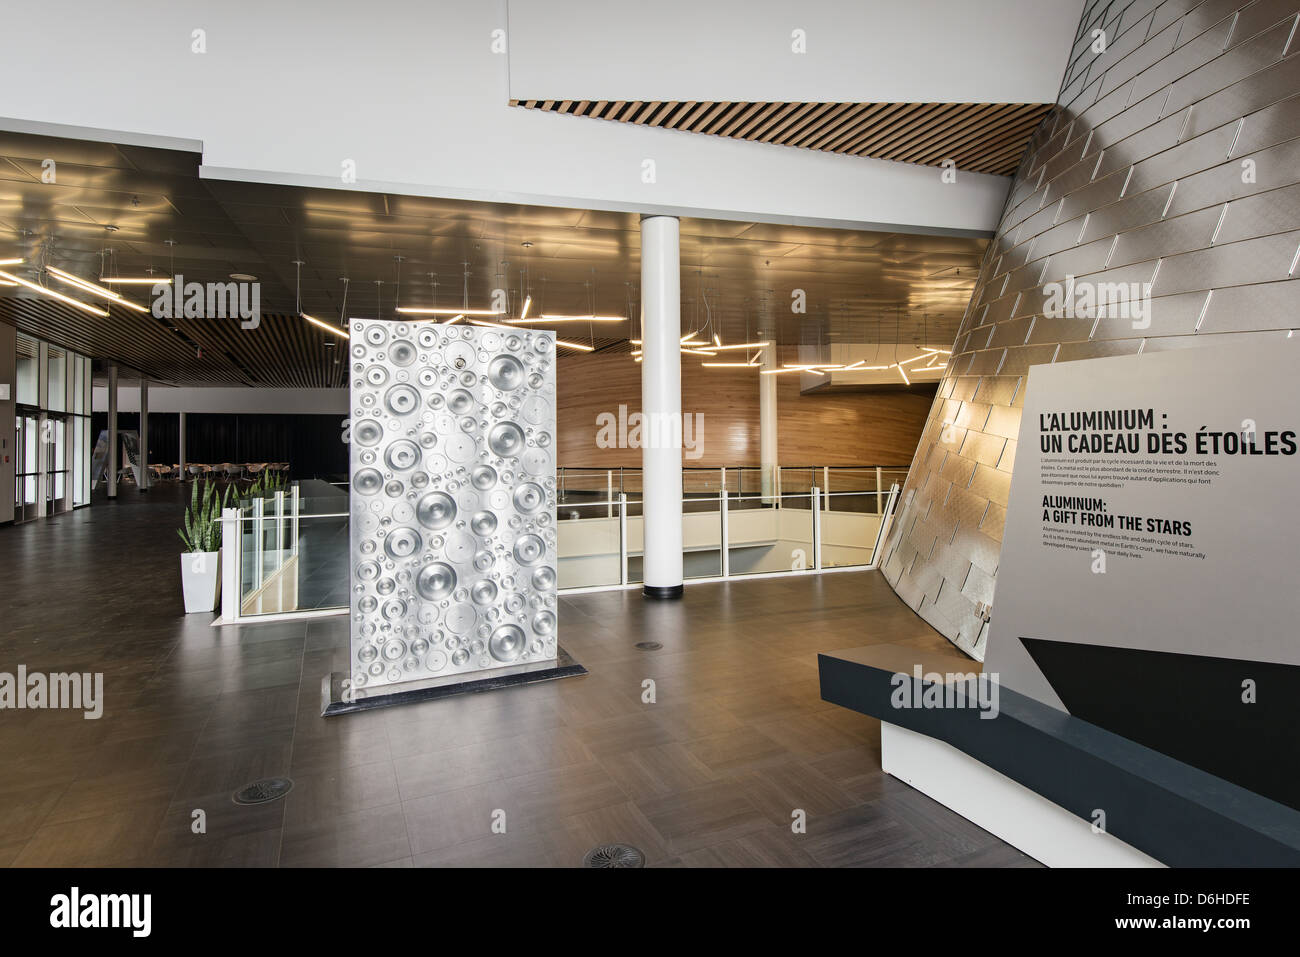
(453, 539)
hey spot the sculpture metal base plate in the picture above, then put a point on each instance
(336, 698)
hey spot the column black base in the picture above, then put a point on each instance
(662, 591)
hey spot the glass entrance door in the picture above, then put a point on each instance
(27, 467)
(54, 440)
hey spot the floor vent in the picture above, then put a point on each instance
(263, 791)
(614, 855)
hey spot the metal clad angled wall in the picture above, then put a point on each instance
(1172, 159)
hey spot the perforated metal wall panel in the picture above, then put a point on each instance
(1171, 159)
(453, 537)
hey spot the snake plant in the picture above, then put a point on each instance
(201, 531)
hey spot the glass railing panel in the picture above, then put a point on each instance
(849, 524)
(763, 539)
(589, 544)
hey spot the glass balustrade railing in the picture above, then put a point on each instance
(287, 554)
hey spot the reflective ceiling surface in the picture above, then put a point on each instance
(124, 210)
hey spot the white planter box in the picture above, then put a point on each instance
(201, 580)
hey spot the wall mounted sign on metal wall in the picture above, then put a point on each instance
(453, 537)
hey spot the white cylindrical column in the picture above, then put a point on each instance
(144, 434)
(113, 465)
(661, 406)
(767, 454)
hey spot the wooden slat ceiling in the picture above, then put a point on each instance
(978, 137)
(737, 277)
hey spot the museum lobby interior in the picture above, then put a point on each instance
(507, 477)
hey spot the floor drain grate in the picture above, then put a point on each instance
(649, 645)
(614, 855)
(263, 791)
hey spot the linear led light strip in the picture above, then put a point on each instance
(9, 262)
(423, 311)
(93, 310)
(86, 286)
(551, 317)
(328, 327)
(136, 280)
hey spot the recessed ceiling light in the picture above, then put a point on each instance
(243, 277)
(526, 245)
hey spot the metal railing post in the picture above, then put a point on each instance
(817, 527)
(259, 532)
(609, 493)
(622, 538)
(724, 542)
(880, 493)
(294, 507)
(279, 528)
(231, 564)
(826, 484)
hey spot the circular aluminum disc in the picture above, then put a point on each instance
(483, 477)
(368, 481)
(435, 581)
(460, 448)
(536, 410)
(368, 571)
(543, 578)
(529, 497)
(483, 592)
(436, 510)
(483, 523)
(543, 623)
(507, 643)
(376, 335)
(402, 454)
(460, 547)
(402, 399)
(402, 543)
(460, 402)
(402, 353)
(459, 355)
(368, 432)
(436, 661)
(529, 550)
(506, 373)
(461, 618)
(506, 439)
(536, 461)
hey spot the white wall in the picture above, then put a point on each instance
(270, 401)
(411, 91)
(857, 51)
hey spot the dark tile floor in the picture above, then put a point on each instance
(707, 775)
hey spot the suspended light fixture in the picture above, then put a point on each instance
(11, 262)
(581, 347)
(328, 327)
(429, 311)
(552, 317)
(86, 285)
(93, 310)
(523, 313)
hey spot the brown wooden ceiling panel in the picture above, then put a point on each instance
(978, 137)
